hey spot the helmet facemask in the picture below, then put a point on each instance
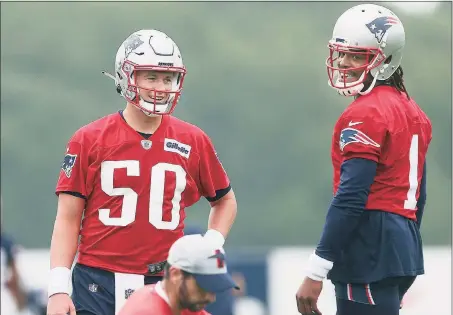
(351, 81)
(149, 51)
(156, 105)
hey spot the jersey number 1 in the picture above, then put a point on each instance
(156, 195)
(411, 202)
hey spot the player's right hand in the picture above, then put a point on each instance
(60, 304)
(307, 297)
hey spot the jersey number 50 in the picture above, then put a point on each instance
(156, 196)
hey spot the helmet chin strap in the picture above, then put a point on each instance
(149, 114)
(353, 91)
(368, 90)
(373, 83)
(144, 104)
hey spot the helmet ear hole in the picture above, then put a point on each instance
(388, 60)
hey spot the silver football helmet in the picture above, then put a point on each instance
(148, 50)
(370, 30)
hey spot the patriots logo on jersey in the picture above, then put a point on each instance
(351, 135)
(68, 164)
(379, 26)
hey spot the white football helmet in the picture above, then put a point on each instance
(371, 30)
(148, 50)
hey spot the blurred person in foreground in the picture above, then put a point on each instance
(131, 175)
(195, 272)
(371, 247)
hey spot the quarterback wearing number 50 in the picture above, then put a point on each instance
(131, 175)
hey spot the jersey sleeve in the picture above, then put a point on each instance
(74, 168)
(346, 208)
(362, 134)
(214, 181)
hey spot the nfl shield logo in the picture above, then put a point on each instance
(93, 287)
(146, 144)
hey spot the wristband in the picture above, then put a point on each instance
(318, 267)
(59, 278)
(215, 238)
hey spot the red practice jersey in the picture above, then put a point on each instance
(152, 300)
(137, 189)
(385, 127)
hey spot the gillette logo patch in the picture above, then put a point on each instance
(182, 149)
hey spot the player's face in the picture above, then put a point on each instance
(354, 60)
(153, 84)
(192, 297)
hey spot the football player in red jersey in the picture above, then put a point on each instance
(371, 247)
(131, 175)
(195, 272)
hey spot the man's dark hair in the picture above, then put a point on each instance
(167, 271)
(397, 80)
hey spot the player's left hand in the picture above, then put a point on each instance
(307, 297)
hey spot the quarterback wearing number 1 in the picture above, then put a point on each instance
(131, 176)
(371, 247)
